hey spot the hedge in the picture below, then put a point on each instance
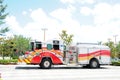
(116, 63)
(12, 61)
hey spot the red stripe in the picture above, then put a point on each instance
(97, 53)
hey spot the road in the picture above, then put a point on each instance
(33, 72)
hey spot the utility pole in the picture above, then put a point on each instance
(115, 37)
(109, 40)
(115, 44)
(44, 30)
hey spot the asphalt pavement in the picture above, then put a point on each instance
(33, 72)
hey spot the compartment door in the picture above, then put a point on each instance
(83, 55)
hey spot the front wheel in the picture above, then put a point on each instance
(94, 63)
(46, 64)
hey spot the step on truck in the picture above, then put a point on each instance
(54, 52)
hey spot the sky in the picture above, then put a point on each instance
(88, 20)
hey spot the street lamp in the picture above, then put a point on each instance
(44, 30)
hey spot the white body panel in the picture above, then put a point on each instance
(86, 52)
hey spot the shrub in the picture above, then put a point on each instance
(4, 61)
(14, 61)
(116, 63)
(15, 57)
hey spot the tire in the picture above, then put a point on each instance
(46, 64)
(94, 63)
(86, 66)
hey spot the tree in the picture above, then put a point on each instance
(5, 47)
(13, 46)
(21, 43)
(67, 39)
(112, 47)
(3, 29)
(3, 15)
(118, 49)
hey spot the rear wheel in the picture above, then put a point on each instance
(46, 64)
(94, 63)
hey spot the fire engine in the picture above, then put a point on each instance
(54, 52)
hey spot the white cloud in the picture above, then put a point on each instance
(14, 25)
(116, 11)
(55, 22)
(39, 15)
(86, 1)
(108, 17)
(41, 20)
(106, 20)
(66, 22)
(61, 14)
(102, 13)
(30, 10)
(86, 11)
(24, 12)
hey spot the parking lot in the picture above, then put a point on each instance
(33, 72)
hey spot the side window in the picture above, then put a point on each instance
(32, 46)
(38, 45)
(64, 47)
(56, 45)
(49, 46)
